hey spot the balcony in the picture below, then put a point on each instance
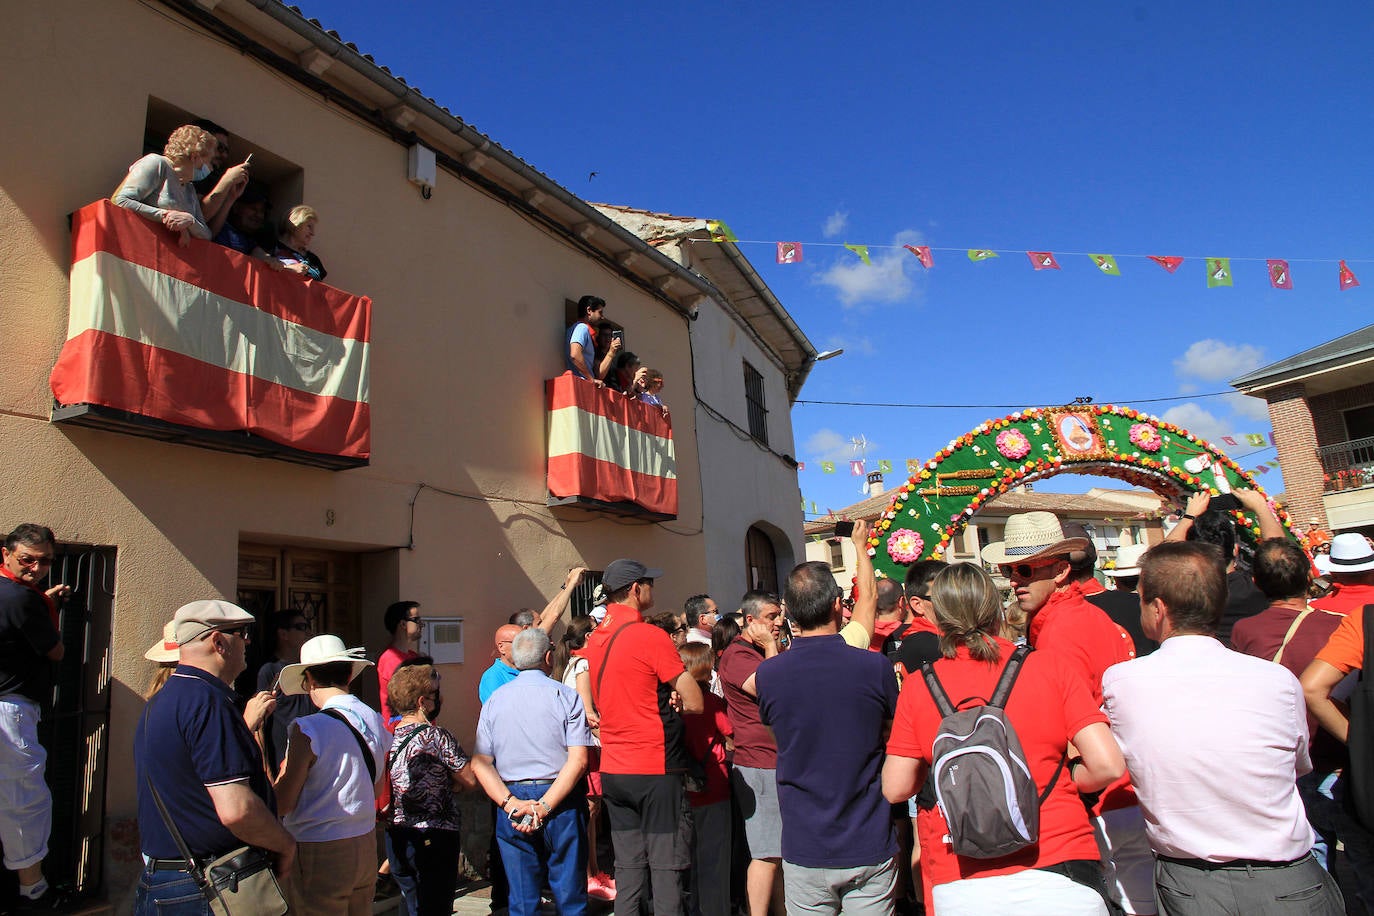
(609, 453)
(206, 347)
(1347, 465)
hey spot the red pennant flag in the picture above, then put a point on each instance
(789, 252)
(1042, 260)
(1279, 277)
(1348, 280)
(1229, 440)
(922, 253)
(801, 465)
(1168, 262)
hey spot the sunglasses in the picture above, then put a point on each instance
(244, 632)
(1024, 570)
(28, 562)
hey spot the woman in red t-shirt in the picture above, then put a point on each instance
(1050, 706)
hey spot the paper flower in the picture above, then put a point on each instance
(1013, 444)
(905, 546)
(1146, 436)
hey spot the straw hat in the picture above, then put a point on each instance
(1031, 536)
(1349, 553)
(1128, 560)
(166, 650)
(321, 650)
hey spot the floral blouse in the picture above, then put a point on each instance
(422, 778)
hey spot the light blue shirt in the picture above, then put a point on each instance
(498, 675)
(528, 726)
(581, 333)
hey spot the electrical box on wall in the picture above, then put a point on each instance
(442, 640)
(421, 168)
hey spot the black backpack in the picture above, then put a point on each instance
(982, 781)
(1359, 795)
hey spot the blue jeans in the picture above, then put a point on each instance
(424, 865)
(558, 847)
(169, 893)
(1323, 795)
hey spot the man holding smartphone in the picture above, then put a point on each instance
(581, 342)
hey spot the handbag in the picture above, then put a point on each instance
(238, 883)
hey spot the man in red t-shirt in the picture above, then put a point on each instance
(635, 670)
(1035, 558)
(1350, 564)
(402, 620)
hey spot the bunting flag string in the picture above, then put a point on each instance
(1218, 270)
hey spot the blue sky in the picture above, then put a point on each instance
(1201, 130)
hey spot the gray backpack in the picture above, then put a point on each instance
(982, 782)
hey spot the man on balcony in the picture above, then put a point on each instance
(581, 342)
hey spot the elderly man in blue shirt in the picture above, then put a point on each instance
(530, 756)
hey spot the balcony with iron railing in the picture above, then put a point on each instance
(1347, 465)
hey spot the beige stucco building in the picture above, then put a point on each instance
(472, 288)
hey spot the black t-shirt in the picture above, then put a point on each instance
(27, 635)
(1124, 609)
(1243, 599)
(914, 652)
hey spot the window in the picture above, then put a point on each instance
(1359, 422)
(760, 560)
(758, 411)
(836, 554)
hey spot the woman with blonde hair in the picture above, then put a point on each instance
(161, 187)
(293, 244)
(1067, 746)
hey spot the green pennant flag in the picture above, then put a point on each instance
(884, 466)
(1218, 272)
(813, 507)
(1254, 438)
(981, 254)
(1107, 264)
(827, 467)
(719, 231)
(862, 252)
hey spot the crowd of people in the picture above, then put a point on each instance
(617, 368)
(930, 746)
(190, 189)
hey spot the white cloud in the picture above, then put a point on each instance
(885, 280)
(835, 223)
(1199, 422)
(1218, 361)
(1249, 408)
(1188, 388)
(828, 445)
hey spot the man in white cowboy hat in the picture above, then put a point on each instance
(197, 750)
(1122, 604)
(1034, 558)
(325, 792)
(1350, 564)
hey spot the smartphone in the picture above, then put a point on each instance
(618, 334)
(526, 821)
(844, 529)
(249, 161)
(1226, 502)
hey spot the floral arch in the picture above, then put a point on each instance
(937, 501)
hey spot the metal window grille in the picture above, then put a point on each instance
(758, 410)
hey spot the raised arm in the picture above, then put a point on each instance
(1196, 505)
(558, 604)
(865, 584)
(1258, 506)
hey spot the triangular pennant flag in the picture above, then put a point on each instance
(801, 465)
(719, 231)
(1218, 272)
(1168, 262)
(1272, 464)
(912, 466)
(885, 466)
(1229, 440)
(827, 467)
(922, 253)
(981, 254)
(1042, 260)
(1261, 470)
(862, 252)
(856, 467)
(1255, 439)
(1107, 264)
(1279, 277)
(1348, 280)
(789, 252)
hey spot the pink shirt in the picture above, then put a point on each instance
(1214, 741)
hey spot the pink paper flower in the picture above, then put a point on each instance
(905, 546)
(1145, 436)
(1013, 444)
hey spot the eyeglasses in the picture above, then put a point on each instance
(1025, 570)
(29, 561)
(415, 620)
(681, 629)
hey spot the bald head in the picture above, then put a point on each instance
(505, 635)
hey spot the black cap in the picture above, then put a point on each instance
(625, 572)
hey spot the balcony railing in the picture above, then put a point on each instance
(204, 346)
(1347, 465)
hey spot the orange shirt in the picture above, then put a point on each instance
(1345, 649)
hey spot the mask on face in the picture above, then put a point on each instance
(438, 702)
(201, 173)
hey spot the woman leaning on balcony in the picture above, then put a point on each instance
(160, 188)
